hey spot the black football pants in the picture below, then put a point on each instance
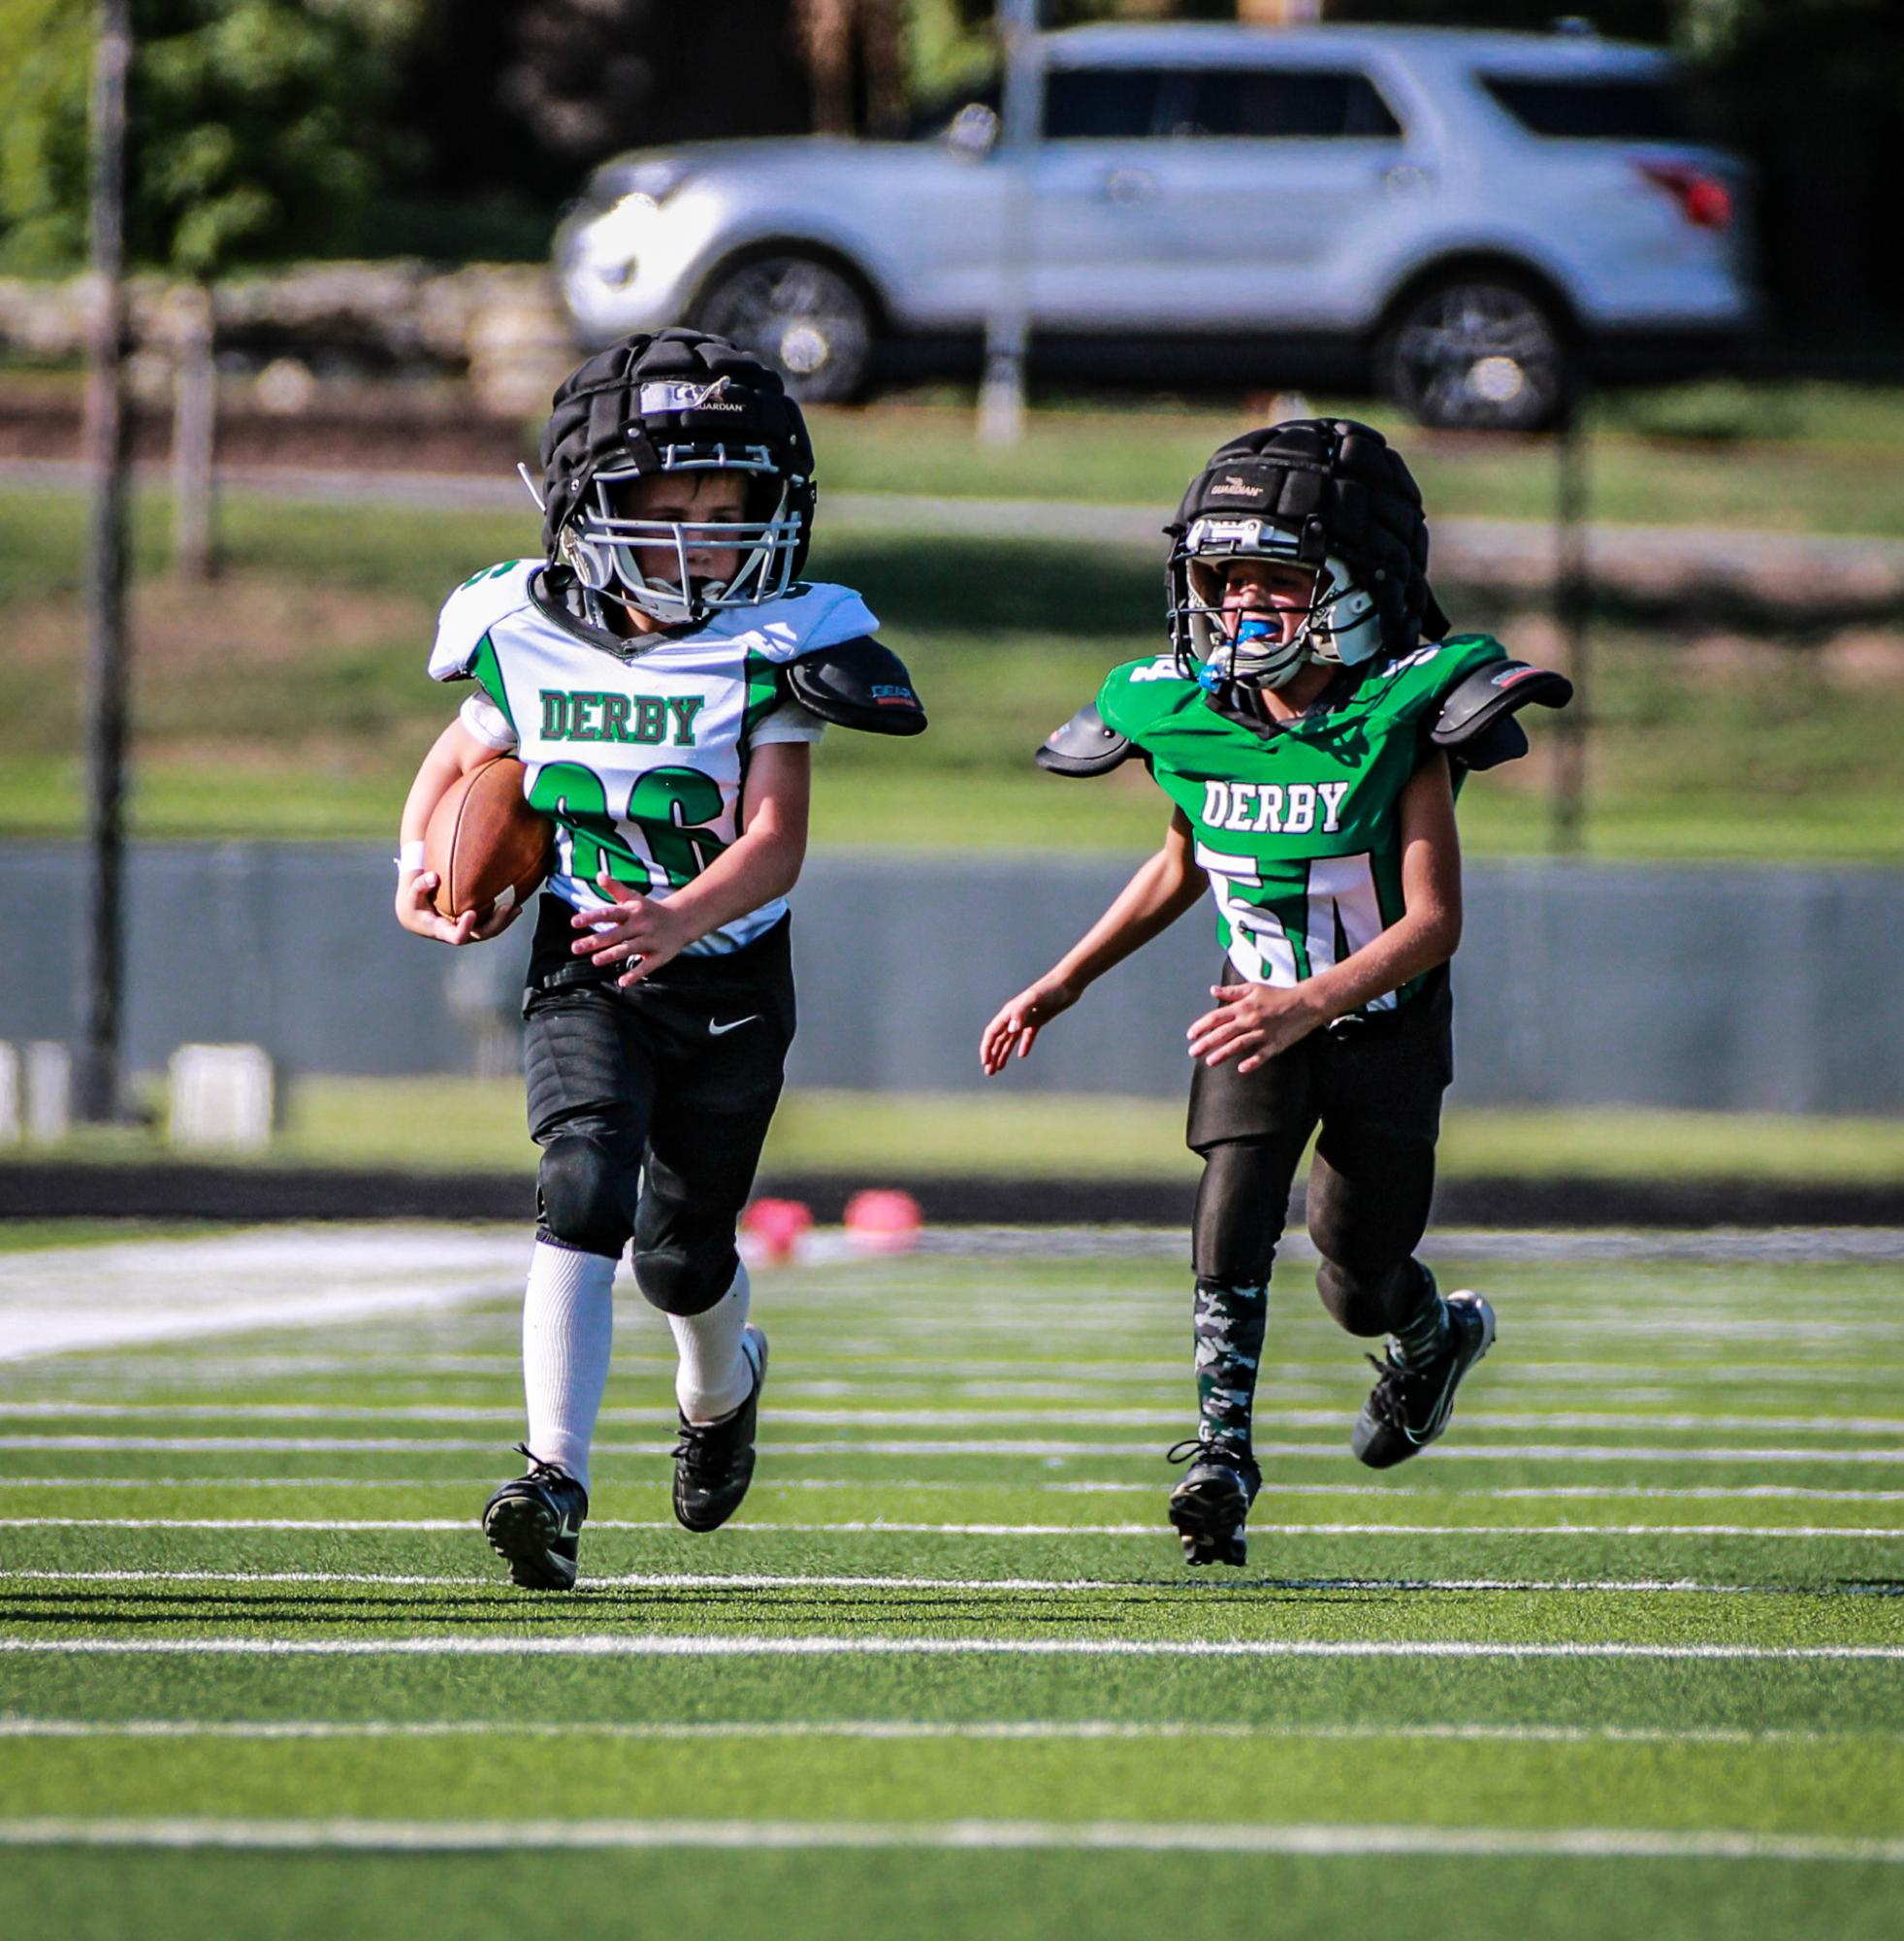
(651, 1104)
(1373, 1086)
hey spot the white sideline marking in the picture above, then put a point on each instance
(630, 1644)
(465, 1524)
(952, 1418)
(458, 1445)
(62, 1300)
(958, 1836)
(906, 1729)
(663, 1580)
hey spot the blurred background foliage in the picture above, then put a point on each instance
(452, 129)
(248, 123)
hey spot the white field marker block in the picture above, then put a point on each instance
(49, 1091)
(11, 1103)
(222, 1095)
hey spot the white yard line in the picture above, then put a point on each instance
(1008, 1730)
(885, 1528)
(956, 1836)
(874, 1377)
(629, 1644)
(654, 1580)
(1028, 1448)
(459, 1483)
(931, 1417)
(1271, 1488)
(1558, 1492)
(1789, 1335)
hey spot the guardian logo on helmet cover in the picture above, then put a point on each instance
(1329, 495)
(675, 402)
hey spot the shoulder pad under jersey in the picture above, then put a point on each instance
(857, 684)
(1085, 746)
(472, 610)
(809, 616)
(1476, 725)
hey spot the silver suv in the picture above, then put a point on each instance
(1451, 215)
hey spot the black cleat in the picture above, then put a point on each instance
(714, 1461)
(1209, 1507)
(533, 1523)
(1410, 1407)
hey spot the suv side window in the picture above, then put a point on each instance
(1272, 101)
(1106, 103)
(1616, 109)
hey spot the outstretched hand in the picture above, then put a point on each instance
(631, 929)
(1258, 1019)
(1017, 1025)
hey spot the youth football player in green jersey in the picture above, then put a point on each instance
(1310, 726)
(661, 674)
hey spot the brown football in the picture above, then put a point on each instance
(485, 843)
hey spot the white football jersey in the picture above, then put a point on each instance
(640, 760)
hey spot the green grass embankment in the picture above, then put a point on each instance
(450, 1125)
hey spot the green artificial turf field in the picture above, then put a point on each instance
(1621, 1657)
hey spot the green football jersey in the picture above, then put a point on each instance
(1297, 830)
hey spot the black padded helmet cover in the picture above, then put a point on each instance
(1343, 490)
(622, 407)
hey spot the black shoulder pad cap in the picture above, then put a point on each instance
(1476, 725)
(1083, 746)
(857, 684)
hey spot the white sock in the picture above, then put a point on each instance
(568, 1325)
(715, 1377)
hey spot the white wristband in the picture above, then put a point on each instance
(410, 857)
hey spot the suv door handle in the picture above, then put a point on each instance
(1124, 186)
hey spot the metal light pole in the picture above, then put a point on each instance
(1007, 329)
(96, 1089)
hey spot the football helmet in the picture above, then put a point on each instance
(677, 400)
(1327, 494)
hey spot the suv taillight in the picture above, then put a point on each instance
(1704, 200)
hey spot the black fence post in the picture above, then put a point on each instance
(1572, 726)
(96, 1078)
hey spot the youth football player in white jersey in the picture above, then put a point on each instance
(664, 674)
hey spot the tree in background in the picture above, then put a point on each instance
(253, 136)
(1813, 90)
(507, 103)
(1618, 19)
(248, 144)
(856, 56)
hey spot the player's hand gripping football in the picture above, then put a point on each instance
(1017, 1025)
(1255, 1020)
(417, 911)
(631, 930)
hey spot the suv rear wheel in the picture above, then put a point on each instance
(801, 317)
(1475, 355)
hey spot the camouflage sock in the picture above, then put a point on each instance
(1228, 1325)
(1424, 1334)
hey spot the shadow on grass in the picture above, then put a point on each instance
(507, 1607)
(740, 1608)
